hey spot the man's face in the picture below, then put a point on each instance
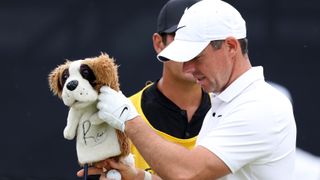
(175, 68)
(211, 69)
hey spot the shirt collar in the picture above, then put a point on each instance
(241, 83)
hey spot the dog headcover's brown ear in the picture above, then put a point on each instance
(55, 79)
(105, 70)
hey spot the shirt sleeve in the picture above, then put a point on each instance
(243, 136)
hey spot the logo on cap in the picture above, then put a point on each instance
(180, 27)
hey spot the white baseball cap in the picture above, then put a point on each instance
(203, 22)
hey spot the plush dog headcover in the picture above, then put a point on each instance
(78, 83)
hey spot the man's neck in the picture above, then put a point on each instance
(186, 95)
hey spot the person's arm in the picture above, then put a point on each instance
(169, 160)
(172, 161)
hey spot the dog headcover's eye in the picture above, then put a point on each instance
(64, 77)
(87, 74)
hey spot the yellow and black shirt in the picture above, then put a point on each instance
(167, 119)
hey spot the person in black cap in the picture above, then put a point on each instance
(174, 105)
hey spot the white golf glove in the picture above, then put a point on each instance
(115, 108)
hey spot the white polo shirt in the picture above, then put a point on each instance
(251, 127)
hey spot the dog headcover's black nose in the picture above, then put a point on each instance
(72, 85)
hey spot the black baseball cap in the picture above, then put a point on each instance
(170, 14)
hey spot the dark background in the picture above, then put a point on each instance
(37, 35)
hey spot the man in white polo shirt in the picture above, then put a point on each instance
(249, 132)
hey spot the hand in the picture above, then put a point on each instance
(115, 108)
(99, 168)
(128, 172)
(92, 171)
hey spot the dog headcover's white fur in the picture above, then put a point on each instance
(77, 83)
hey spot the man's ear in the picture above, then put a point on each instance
(232, 45)
(157, 43)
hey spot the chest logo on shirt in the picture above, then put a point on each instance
(214, 115)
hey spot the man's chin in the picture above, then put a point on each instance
(206, 88)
